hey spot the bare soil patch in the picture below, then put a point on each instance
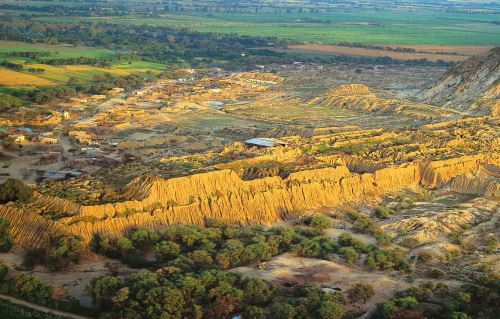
(435, 52)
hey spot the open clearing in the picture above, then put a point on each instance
(288, 268)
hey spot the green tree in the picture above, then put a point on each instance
(256, 291)
(103, 289)
(223, 259)
(361, 291)
(330, 310)
(201, 259)
(234, 249)
(143, 238)
(6, 239)
(63, 250)
(254, 312)
(164, 302)
(282, 311)
(167, 250)
(321, 222)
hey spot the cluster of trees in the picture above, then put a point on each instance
(100, 62)
(193, 248)
(11, 65)
(34, 55)
(478, 300)
(9, 102)
(19, 67)
(57, 253)
(170, 292)
(48, 94)
(32, 289)
(14, 190)
(159, 44)
(222, 246)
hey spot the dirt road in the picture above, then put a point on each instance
(41, 308)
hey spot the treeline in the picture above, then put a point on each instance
(172, 46)
(101, 85)
(32, 289)
(19, 67)
(100, 62)
(375, 47)
(152, 9)
(26, 54)
(150, 43)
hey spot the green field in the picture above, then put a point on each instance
(60, 74)
(58, 51)
(370, 27)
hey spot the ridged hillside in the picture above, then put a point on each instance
(28, 229)
(463, 85)
(224, 195)
(359, 97)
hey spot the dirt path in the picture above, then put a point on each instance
(41, 308)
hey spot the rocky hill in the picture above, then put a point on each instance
(359, 97)
(472, 85)
(460, 155)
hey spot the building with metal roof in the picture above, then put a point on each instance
(265, 142)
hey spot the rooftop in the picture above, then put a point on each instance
(264, 141)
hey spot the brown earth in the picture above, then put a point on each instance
(436, 52)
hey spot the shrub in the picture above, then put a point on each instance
(383, 212)
(436, 273)
(425, 257)
(3, 271)
(361, 291)
(350, 255)
(383, 239)
(362, 223)
(6, 239)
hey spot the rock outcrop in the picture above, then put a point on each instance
(468, 81)
(155, 202)
(28, 229)
(359, 97)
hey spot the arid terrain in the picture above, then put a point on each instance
(355, 143)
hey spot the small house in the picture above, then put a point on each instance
(19, 138)
(265, 142)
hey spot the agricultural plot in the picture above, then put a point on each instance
(57, 51)
(369, 27)
(60, 75)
